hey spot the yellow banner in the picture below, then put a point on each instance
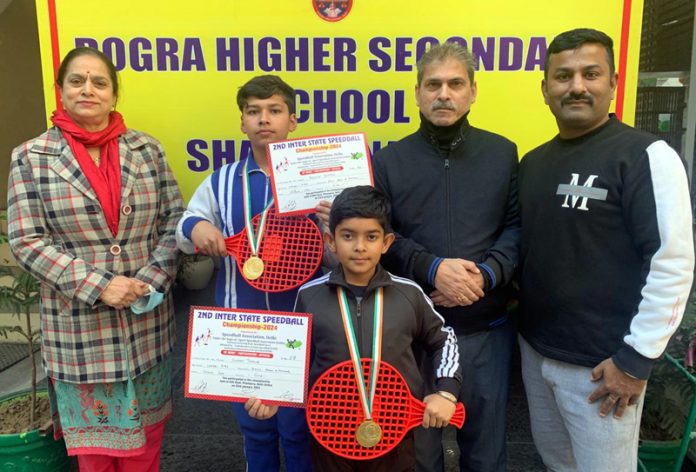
(352, 64)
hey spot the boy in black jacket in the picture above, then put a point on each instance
(360, 234)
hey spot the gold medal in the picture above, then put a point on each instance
(253, 268)
(368, 434)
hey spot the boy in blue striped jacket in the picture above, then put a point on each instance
(216, 211)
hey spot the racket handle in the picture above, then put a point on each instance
(459, 416)
(232, 244)
(230, 249)
(418, 406)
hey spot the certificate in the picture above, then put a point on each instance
(306, 170)
(235, 354)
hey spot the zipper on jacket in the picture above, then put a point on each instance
(448, 210)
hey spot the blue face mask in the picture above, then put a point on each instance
(147, 302)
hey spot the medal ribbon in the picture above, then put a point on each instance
(254, 239)
(355, 353)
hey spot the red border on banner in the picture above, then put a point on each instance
(55, 50)
(623, 59)
(620, 88)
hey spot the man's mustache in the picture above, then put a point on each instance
(577, 97)
(440, 105)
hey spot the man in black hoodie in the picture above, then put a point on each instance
(453, 189)
(606, 266)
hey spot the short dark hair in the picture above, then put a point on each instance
(87, 51)
(362, 201)
(576, 38)
(263, 87)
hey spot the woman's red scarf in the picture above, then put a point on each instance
(105, 179)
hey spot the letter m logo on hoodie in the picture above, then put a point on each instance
(574, 192)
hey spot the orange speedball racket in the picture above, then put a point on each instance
(291, 250)
(334, 411)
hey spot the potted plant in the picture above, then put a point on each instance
(31, 445)
(195, 270)
(669, 410)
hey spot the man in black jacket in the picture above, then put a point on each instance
(454, 197)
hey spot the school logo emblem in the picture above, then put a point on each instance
(575, 193)
(332, 10)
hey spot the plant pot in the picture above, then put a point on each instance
(659, 456)
(195, 274)
(32, 451)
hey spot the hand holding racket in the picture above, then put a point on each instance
(438, 410)
(334, 410)
(208, 239)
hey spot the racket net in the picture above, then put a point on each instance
(291, 250)
(334, 411)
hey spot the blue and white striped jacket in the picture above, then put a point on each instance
(219, 200)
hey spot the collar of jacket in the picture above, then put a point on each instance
(53, 142)
(380, 279)
(253, 166)
(439, 136)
